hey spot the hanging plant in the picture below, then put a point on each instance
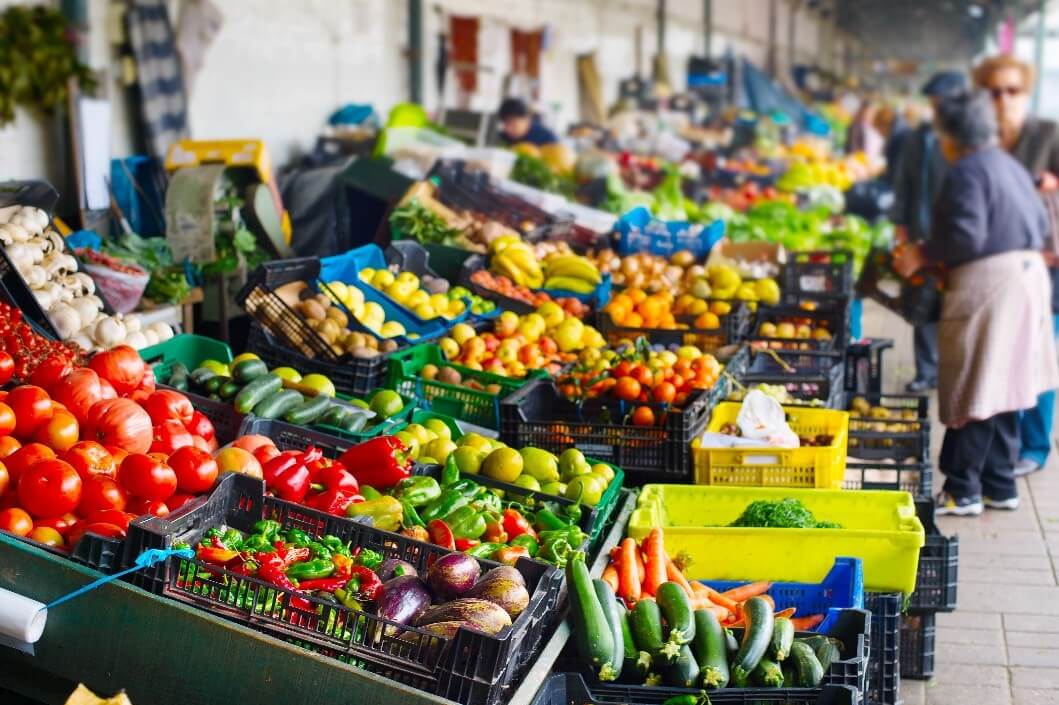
(36, 61)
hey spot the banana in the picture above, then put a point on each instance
(576, 267)
(578, 286)
(501, 264)
(524, 260)
(502, 243)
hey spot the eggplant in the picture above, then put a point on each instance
(480, 614)
(453, 574)
(501, 590)
(395, 567)
(446, 630)
(402, 599)
(504, 571)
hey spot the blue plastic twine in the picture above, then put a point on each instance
(148, 558)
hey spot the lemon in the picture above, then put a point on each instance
(218, 368)
(320, 383)
(244, 356)
(288, 373)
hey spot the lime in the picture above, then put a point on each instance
(554, 488)
(439, 427)
(359, 403)
(528, 481)
(588, 489)
(218, 368)
(387, 403)
(540, 464)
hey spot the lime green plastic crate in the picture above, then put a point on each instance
(820, 467)
(188, 349)
(879, 527)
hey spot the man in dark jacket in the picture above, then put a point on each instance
(519, 124)
(916, 183)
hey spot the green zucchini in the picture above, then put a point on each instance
(683, 672)
(276, 405)
(200, 375)
(807, 668)
(676, 609)
(249, 370)
(214, 384)
(730, 641)
(637, 663)
(228, 390)
(646, 623)
(710, 650)
(609, 602)
(757, 633)
(308, 411)
(178, 376)
(256, 392)
(335, 416)
(594, 640)
(782, 637)
(827, 653)
(354, 422)
(768, 674)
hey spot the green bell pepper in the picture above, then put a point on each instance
(311, 570)
(571, 534)
(466, 487)
(527, 542)
(450, 472)
(466, 523)
(450, 500)
(490, 501)
(418, 491)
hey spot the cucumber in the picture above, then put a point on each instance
(730, 641)
(228, 390)
(594, 640)
(308, 411)
(710, 649)
(609, 602)
(646, 623)
(768, 674)
(684, 671)
(637, 663)
(782, 637)
(807, 669)
(354, 422)
(257, 391)
(757, 633)
(827, 653)
(676, 609)
(200, 375)
(335, 416)
(276, 405)
(214, 384)
(178, 376)
(249, 370)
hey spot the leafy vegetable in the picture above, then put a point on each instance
(418, 222)
(232, 241)
(168, 283)
(536, 173)
(787, 513)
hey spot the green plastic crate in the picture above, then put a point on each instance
(188, 349)
(391, 425)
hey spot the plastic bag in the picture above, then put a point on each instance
(762, 418)
(122, 291)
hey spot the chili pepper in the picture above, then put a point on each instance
(333, 477)
(215, 554)
(494, 533)
(419, 533)
(509, 555)
(348, 600)
(557, 552)
(291, 555)
(215, 532)
(411, 516)
(528, 542)
(370, 492)
(336, 545)
(333, 501)
(343, 565)
(258, 542)
(318, 550)
(515, 524)
(441, 534)
(380, 462)
(450, 472)
(485, 550)
(417, 491)
(467, 487)
(571, 534)
(547, 520)
(233, 538)
(466, 523)
(271, 570)
(323, 584)
(369, 558)
(450, 500)
(297, 537)
(490, 501)
(364, 583)
(573, 512)
(466, 544)
(311, 570)
(699, 698)
(385, 512)
(268, 528)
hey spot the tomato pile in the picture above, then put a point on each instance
(88, 449)
(24, 349)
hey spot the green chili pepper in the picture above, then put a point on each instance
(571, 534)
(484, 550)
(335, 545)
(418, 491)
(527, 542)
(547, 520)
(347, 600)
(411, 516)
(466, 523)
(297, 537)
(450, 472)
(470, 488)
(311, 570)
(268, 528)
(258, 544)
(369, 493)
(574, 512)
(369, 558)
(450, 500)
(557, 553)
(319, 550)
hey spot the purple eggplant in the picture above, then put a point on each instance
(481, 614)
(504, 571)
(453, 574)
(445, 630)
(402, 599)
(395, 567)
(501, 590)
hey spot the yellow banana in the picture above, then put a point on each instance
(578, 286)
(576, 267)
(501, 264)
(502, 243)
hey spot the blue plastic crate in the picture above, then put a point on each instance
(633, 236)
(841, 588)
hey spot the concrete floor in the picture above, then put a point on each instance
(1001, 647)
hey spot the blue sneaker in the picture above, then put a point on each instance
(947, 505)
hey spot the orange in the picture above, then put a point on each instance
(651, 308)
(643, 416)
(707, 321)
(637, 295)
(633, 320)
(667, 321)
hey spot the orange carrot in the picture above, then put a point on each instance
(804, 624)
(640, 569)
(628, 579)
(745, 592)
(716, 597)
(703, 603)
(610, 577)
(655, 561)
(673, 573)
(788, 613)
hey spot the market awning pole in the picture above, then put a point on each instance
(661, 28)
(770, 62)
(707, 27)
(1038, 52)
(415, 51)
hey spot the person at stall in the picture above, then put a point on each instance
(996, 348)
(1034, 143)
(891, 125)
(916, 182)
(518, 124)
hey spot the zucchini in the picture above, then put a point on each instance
(276, 405)
(335, 416)
(594, 640)
(646, 623)
(782, 637)
(200, 375)
(768, 674)
(827, 653)
(637, 664)
(684, 671)
(214, 384)
(178, 376)
(676, 609)
(710, 649)
(308, 411)
(730, 641)
(248, 370)
(257, 391)
(609, 602)
(757, 633)
(354, 422)
(807, 669)
(228, 390)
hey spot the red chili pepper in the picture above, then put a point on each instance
(441, 534)
(466, 544)
(215, 554)
(326, 584)
(271, 570)
(365, 584)
(495, 533)
(381, 462)
(509, 555)
(333, 501)
(516, 525)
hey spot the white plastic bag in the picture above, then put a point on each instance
(762, 418)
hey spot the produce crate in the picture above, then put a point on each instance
(639, 231)
(904, 435)
(290, 437)
(880, 528)
(814, 375)
(537, 415)
(913, 477)
(884, 672)
(188, 349)
(734, 328)
(808, 466)
(471, 668)
(939, 563)
(864, 365)
(819, 272)
(597, 299)
(37, 194)
(828, 313)
(568, 688)
(917, 646)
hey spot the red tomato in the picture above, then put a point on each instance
(60, 432)
(252, 442)
(664, 393)
(177, 501)
(47, 536)
(79, 390)
(101, 493)
(119, 455)
(121, 423)
(147, 384)
(148, 478)
(201, 443)
(138, 395)
(26, 457)
(7, 419)
(627, 388)
(109, 531)
(49, 488)
(195, 469)
(61, 524)
(90, 458)
(121, 366)
(49, 372)
(169, 436)
(7, 367)
(5, 479)
(200, 425)
(107, 389)
(17, 521)
(154, 507)
(32, 407)
(265, 453)
(8, 445)
(110, 516)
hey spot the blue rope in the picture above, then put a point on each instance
(148, 558)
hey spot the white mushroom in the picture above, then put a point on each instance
(132, 323)
(7, 213)
(82, 341)
(45, 298)
(35, 276)
(18, 232)
(21, 255)
(67, 322)
(137, 340)
(54, 242)
(162, 330)
(87, 310)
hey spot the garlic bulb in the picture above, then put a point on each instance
(137, 340)
(108, 331)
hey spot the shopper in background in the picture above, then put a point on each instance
(889, 123)
(918, 178)
(519, 124)
(996, 350)
(1034, 143)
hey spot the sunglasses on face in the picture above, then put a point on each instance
(1001, 91)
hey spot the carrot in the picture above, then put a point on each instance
(788, 613)
(716, 597)
(768, 599)
(745, 592)
(628, 579)
(641, 571)
(804, 624)
(655, 561)
(610, 577)
(703, 603)
(674, 574)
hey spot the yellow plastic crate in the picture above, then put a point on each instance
(820, 467)
(879, 527)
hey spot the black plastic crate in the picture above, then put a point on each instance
(225, 419)
(37, 194)
(471, 667)
(830, 313)
(917, 646)
(537, 415)
(913, 477)
(475, 263)
(902, 435)
(884, 673)
(806, 374)
(939, 561)
(570, 689)
(463, 189)
(819, 272)
(864, 365)
(734, 328)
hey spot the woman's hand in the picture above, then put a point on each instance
(908, 259)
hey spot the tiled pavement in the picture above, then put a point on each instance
(1001, 646)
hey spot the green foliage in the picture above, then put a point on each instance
(787, 513)
(168, 283)
(416, 221)
(536, 173)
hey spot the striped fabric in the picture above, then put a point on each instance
(163, 101)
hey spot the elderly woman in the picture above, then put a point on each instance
(996, 350)
(1034, 143)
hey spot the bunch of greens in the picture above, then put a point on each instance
(231, 238)
(535, 172)
(168, 283)
(621, 199)
(416, 221)
(669, 196)
(787, 513)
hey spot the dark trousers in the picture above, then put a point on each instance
(979, 458)
(926, 351)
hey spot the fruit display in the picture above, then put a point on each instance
(446, 374)
(889, 422)
(545, 266)
(427, 298)
(652, 273)
(502, 285)
(785, 331)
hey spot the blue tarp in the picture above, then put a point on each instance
(764, 96)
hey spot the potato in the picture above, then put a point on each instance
(312, 310)
(338, 316)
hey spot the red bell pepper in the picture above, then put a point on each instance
(516, 525)
(381, 462)
(466, 544)
(333, 477)
(333, 501)
(364, 584)
(509, 555)
(441, 534)
(287, 475)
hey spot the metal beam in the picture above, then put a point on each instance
(707, 27)
(1038, 52)
(415, 51)
(661, 27)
